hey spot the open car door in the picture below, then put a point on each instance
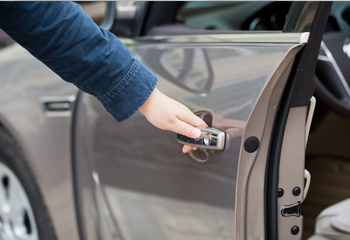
(253, 88)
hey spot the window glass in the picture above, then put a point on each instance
(239, 15)
(95, 9)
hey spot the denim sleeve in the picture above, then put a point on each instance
(65, 38)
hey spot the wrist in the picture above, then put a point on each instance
(147, 104)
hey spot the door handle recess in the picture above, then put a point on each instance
(211, 138)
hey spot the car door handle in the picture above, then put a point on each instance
(211, 138)
(57, 103)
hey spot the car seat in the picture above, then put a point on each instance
(333, 223)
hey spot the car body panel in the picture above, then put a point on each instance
(130, 180)
(44, 138)
(252, 168)
(292, 164)
(148, 172)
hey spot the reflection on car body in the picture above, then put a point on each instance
(104, 180)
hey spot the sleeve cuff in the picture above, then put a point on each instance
(131, 92)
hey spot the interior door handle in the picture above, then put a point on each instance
(211, 138)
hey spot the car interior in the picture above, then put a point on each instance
(328, 149)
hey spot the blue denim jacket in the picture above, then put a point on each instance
(64, 38)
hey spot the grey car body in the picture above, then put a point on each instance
(104, 180)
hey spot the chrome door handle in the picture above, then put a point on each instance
(57, 103)
(211, 138)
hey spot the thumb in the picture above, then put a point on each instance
(186, 129)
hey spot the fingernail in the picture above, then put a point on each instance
(196, 133)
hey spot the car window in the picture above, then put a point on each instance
(237, 15)
(95, 9)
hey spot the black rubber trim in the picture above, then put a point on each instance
(14, 157)
(148, 8)
(78, 213)
(273, 161)
(297, 92)
(306, 65)
(251, 144)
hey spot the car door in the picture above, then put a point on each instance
(131, 179)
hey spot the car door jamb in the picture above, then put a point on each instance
(298, 92)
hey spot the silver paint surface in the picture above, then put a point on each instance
(123, 155)
(291, 174)
(145, 165)
(240, 37)
(250, 198)
(44, 140)
(131, 185)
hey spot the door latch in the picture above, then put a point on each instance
(291, 210)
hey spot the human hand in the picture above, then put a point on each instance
(168, 114)
(234, 128)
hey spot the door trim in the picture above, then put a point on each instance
(239, 37)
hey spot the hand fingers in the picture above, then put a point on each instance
(188, 117)
(187, 148)
(185, 129)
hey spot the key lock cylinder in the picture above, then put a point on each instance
(212, 139)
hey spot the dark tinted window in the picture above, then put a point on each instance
(234, 15)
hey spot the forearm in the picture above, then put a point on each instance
(66, 39)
